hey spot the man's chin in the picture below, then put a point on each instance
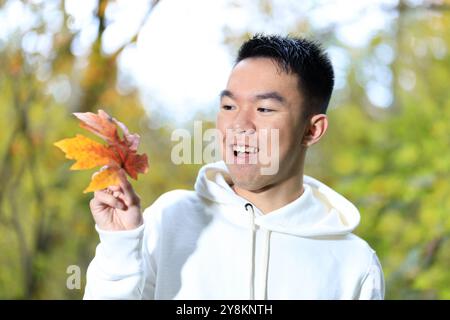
(247, 177)
(244, 171)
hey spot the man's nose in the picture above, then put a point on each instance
(243, 123)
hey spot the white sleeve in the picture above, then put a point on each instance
(373, 283)
(123, 266)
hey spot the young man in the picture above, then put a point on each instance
(243, 234)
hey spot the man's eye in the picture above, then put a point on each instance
(265, 110)
(227, 107)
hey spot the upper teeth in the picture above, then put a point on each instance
(245, 149)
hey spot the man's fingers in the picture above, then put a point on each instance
(108, 199)
(117, 194)
(130, 196)
(124, 191)
(124, 183)
(114, 188)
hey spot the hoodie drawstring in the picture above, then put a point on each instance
(265, 264)
(252, 256)
(265, 258)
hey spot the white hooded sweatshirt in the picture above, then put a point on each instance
(213, 244)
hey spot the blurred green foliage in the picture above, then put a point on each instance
(393, 163)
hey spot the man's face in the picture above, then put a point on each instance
(260, 97)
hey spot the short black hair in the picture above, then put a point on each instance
(300, 56)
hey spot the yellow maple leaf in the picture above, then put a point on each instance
(87, 152)
(107, 176)
(118, 157)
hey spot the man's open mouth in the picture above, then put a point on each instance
(242, 150)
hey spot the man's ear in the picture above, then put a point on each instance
(315, 129)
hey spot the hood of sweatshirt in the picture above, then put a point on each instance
(319, 211)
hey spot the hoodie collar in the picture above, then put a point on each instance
(319, 211)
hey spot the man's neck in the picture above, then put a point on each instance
(276, 196)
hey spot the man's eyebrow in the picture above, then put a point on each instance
(226, 93)
(270, 95)
(262, 96)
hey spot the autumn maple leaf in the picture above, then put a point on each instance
(117, 156)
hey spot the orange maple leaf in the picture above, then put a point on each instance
(118, 156)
